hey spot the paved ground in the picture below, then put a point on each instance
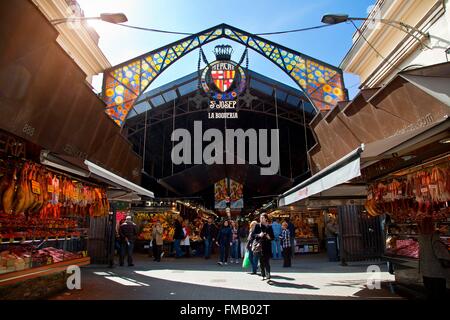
(311, 277)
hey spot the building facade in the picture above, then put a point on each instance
(78, 39)
(398, 50)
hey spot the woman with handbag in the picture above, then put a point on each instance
(253, 258)
(262, 245)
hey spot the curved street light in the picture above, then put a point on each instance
(114, 18)
(339, 18)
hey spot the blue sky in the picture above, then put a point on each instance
(328, 44)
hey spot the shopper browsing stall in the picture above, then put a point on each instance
(276, 246)
(434, 259)
(157, 243)
(178, 237)
(285, 239)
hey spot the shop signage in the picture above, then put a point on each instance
(223, 80)
(12, 146)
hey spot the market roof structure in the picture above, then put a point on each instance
(123, 84)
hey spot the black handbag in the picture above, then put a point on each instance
(257, 246)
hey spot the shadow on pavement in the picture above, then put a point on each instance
(291, 285)
(281, 277)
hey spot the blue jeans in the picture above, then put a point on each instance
(253, 260)
(224, 251)
(208, 245)
(235, 250)
(276, 249)
(178, 251)
(129, 250)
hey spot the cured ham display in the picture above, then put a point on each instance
(410, 196)
(32, 190)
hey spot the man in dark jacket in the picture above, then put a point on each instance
(208, 234)
(128, 233)
(178, 236)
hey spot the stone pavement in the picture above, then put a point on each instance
(311, 277)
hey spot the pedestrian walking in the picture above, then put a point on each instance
(276, 246)
(234, 243)
(224, 242)
(208, 234)
(253, 258)
(243, 238)
(263, 235)
(177, 237)
(128, 233)
(157, 242)
(285, 239)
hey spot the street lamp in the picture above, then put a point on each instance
(107, 17)
(339, 18)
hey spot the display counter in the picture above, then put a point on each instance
(307, 245)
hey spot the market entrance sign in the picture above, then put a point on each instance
(223, 81)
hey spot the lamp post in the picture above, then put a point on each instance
(339, 18)
(114, 18)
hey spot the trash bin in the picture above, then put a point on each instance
(332, 249)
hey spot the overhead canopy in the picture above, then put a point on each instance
(389, 147)
(337, 173)
(88, 169)
(95, 169)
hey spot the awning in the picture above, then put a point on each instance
(87, 169)
(402, 143)
(337, 173)
(95, 169)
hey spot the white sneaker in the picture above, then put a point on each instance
(219, 263)
(162, 254)
(226, 263)
(231, 260)
(237, 261)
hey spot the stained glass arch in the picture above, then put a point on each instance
(322, 83)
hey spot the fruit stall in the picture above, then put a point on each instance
(167, 211)
(308, 224)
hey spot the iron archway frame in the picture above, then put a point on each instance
(322, 83)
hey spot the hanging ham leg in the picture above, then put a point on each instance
(8, 195)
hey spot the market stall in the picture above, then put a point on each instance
(44, 218)
(308, 226)
(405, 197)
(194, 216)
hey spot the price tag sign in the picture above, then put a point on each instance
(424, 190)
(35, 187)
(50, 188)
